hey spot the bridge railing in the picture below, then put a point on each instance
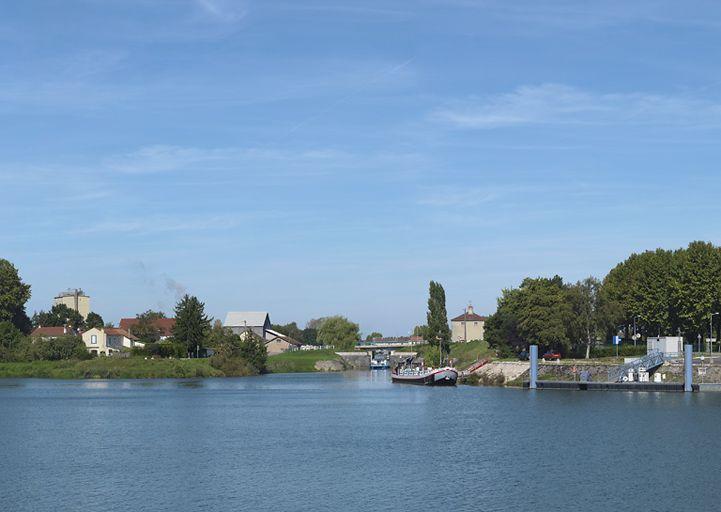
(651, 360)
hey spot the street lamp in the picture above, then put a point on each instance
(698, 345)
(634, 331)
(710, 325)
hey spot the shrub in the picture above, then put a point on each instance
(232, 366)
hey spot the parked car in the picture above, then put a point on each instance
(551, 356)
(523, 355)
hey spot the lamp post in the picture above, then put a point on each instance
(698, 345)
(710, 331)
(634, 331)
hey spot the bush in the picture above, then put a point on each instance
(54, 349)
(623, 351)
(233, 366)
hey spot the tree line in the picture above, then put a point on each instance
(661, 292)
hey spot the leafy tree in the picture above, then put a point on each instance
(192, 325)
(13, 296)
(439, 334)
(543, 313)
(309, 336)
(696, 286)
(252, 349)
(339, 332)
(10, 338)
(587, 322)
(501, 329)
(421, 330)
(374, 334)
(290, 329)
(145, 329)
(237, 355)
(59, 315)
(94, 320)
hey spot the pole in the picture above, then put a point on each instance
(688, 368)
(534, 367)
(634, 331)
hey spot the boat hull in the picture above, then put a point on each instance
(441, 377)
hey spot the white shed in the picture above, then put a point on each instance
(669, 346)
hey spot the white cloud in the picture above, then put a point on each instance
(562, 104)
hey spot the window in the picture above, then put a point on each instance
(93, 339)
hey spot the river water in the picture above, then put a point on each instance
(351, 442)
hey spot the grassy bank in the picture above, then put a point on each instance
(111, 368)
(299, 361)
(463, 354)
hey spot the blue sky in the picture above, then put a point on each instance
(322, 157)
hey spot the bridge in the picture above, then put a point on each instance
(388, 345)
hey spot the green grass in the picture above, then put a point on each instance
(299, 360)
(463, 354)
(111, 368)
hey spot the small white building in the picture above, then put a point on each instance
(669, 346)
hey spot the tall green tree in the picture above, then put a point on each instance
(501, 329)
(374, 334)
(438, 332)
(543, 313)
(339, 332)
(696, 286)
(94, 320)
(192, 325)
(14, 293)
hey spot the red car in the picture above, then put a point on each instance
(551, 356)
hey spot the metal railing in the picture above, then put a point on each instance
(651, 360)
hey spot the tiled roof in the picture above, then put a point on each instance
(50, 332)
(113, 331)
(164, 325)
(469, 317)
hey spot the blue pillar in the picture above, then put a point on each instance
(688, 368)
(534, 367)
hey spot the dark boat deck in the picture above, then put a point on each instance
(675, 387)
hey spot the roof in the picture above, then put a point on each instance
(274, 335)
(50, 332)
(164, 325)
(246, 319)
(114, 331)
(469, 317)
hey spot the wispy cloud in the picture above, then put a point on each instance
(226, 11)
(563, 104)
(160, 224)
(301, 162)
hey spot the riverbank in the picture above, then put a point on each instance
(300, 361)
(141, 368)
(111, 368)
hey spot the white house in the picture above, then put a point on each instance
(108, 340)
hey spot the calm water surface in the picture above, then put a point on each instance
(351, 442)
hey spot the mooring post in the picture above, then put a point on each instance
(688, 368)
(534, 367)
